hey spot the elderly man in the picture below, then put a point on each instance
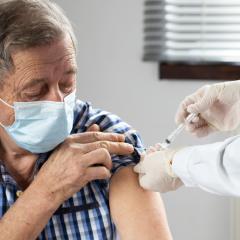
(61, 179)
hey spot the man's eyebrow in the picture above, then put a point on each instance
(34, 82)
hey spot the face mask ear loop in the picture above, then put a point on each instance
(8, 106)
(6, 103)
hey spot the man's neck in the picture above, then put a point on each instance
(18, 162)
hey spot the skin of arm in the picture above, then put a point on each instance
(137, 213)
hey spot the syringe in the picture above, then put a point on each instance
(169, 140)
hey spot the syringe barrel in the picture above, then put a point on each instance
(180, 128)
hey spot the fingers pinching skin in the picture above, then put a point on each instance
(151, 149)
(155, 172)
(138, 168)
(145, 181)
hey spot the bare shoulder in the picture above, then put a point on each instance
(137, 213)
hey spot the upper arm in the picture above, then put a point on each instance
(137, 213)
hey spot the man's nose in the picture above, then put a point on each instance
(56, 96)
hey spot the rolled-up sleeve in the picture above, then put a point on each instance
(132, 137)
(109, 122)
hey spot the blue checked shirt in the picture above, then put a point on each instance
(86, 215)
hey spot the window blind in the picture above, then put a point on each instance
(192, 31)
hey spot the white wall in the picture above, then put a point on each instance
(113, 77)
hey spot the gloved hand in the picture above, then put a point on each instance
(155, 171)
(218, 106)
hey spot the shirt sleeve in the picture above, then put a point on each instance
(109, 122)
(214, 167)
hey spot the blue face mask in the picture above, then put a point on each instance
(42, 125)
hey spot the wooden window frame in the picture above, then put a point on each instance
(199, 71)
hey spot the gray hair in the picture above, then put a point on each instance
(29, 23)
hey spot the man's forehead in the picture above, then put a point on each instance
(56, 53)
(22, 61)
(39, 63)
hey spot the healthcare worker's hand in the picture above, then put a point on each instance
(82, 158)
(155, 171)
(218, 106)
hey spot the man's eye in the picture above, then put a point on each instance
(32, 96)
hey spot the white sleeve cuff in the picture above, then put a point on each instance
(180, 166)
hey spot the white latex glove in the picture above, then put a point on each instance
(155, 171)
(218, 106)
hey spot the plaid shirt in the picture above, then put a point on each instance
(86, 215)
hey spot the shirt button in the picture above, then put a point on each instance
(19, 193)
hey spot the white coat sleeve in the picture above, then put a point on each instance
(214, 167)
